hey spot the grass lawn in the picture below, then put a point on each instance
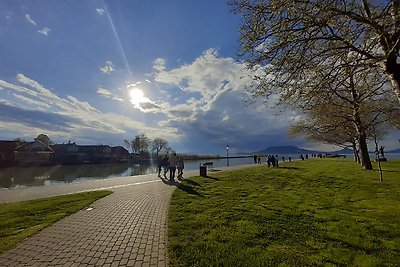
(313, 212)
(22, 219)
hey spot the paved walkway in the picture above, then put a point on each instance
(126, 228)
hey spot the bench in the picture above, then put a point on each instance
(209, 165)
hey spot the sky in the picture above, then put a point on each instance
(101, 72)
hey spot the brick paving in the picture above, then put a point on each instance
(126, 228)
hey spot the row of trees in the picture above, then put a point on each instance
(336, 61)
(142, 145)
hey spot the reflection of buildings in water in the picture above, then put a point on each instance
(24, 176)
(70, 173)
(45, 175)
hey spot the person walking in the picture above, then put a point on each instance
(180, 166)
(159, 165)
(173, 160)
(165, 164)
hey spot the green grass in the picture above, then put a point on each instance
(316, 212)
(20, 220)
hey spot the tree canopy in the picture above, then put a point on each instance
(44, 139)
(285, 39)
(141, 144)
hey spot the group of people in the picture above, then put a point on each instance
(271, 160)
(170, 163)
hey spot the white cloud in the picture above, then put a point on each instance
(31, 102)
(44, 31)
(107, 68)
(210, 101)
(107, 93)
(100, 11)
(159, 64)
(28, 17)
(103, 92)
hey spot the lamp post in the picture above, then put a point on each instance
(227, 155)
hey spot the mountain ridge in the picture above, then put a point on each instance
(296, 150)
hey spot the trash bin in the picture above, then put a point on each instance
(203, 171)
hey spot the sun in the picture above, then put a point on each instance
(137, 97)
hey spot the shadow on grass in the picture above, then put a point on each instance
(187, 189)
(212, 178)
(192, 182)
(289, 168)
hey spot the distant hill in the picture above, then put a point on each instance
(342, 151)
(296, 150)
(393, 151)
(286, 150)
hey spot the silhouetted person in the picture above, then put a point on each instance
(173, 160)
(180, 166)
(381, 151)
(255, 159)
(273, 161)
(159, 165)
(165, 164)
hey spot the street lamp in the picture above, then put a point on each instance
(227, 155)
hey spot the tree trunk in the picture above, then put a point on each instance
(361, 135)
(392, 68)
(365, 160)
(355, 152)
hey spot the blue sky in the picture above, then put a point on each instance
(99, 72)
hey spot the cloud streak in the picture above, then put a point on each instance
(28, 17)
(45, 31)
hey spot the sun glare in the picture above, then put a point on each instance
(137, 97)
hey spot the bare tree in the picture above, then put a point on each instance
(158, 145)
(139, 145)
(321, 125)
(348, 109)
(285, 39)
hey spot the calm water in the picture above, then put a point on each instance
(16, 177)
